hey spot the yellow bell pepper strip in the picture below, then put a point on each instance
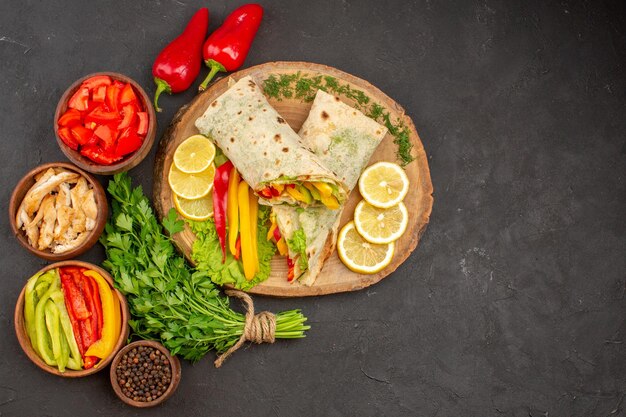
(75, 361)
(118, 317)
(52, 324)
(232, 211)
(103, 347)
(281, 245)
(324, 189)
(254, 220)
(270, 233)
(279, 188)
(330, 202)
(298, 195)
(314, 191)
(247, 255)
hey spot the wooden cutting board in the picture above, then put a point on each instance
(290, 87)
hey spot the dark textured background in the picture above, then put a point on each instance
(513, 303)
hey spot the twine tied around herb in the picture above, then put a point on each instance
(259, 328)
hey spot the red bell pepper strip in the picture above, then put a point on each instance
(91, 324)
(101, 116)
(266, 192)
(99, 94)
(70, 118)
(99, 155)
(129, 116)
(90, 361)
(292, 272)
(95, 291)
(128, 95)
(142, 128)
(277, 234)
(113, 96)
(128, 142)
(70, 310)
(97, 81)
(237, 254)
(65, 134)
(220, 197)
(80, 99)
(178, 65)
(227, 48)
(74, 297)
(81, 134)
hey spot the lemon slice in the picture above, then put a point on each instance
(359, 255)
(199, 209)
(384, 184)
(194, 155)
(378, 225)
(191, 186)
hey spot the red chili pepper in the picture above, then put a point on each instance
(220, 197)
(227, 47)
(178, 65)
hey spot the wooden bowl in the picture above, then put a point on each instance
(130, 161)
(174, 363)
(22, 335)
(27, 182)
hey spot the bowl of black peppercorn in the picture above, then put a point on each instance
(144, 374)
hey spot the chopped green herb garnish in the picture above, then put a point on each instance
(304, 87)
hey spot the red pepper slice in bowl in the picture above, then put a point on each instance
(97, 81)
(66, 136)
(70, 118)
(128, 142)
(79, 100)
(128, 95)
(99, 155)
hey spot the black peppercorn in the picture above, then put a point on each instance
(144, 374)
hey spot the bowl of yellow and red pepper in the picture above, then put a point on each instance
(70, 320)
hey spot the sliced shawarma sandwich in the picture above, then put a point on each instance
(269, 155)
(344, 139)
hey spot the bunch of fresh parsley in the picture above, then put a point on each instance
(169, 300)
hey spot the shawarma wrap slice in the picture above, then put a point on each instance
(269, 155)
(344, 139)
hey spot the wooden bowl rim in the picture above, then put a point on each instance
(128, 162)
(24, 341)
(20, 191)
(174, 364)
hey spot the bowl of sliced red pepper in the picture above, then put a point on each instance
(105, 123)
(70, 320)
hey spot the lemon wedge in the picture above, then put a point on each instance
(384, 184)
(359, 255)
(199, 209)
(191, 186)
(378, 225)
(194, 155)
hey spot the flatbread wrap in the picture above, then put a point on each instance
(269, 155)
(344, 139)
